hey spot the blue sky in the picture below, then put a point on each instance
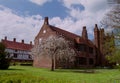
(25, 7)
(22, 17)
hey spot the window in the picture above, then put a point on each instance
(91, 62)
(40, 39)
(91, 50)
(30, 57)
(82, 60)
(16, 50)
(81, 47)
(44, 31)
(15, 55)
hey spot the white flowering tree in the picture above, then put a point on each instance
(55, 48)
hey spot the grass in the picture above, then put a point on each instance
(27, 74)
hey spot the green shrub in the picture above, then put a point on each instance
(117, 67)
(4, 59)
(4, 64)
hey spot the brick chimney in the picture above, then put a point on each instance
(97, 36)
(84, 33)
(14, 39)
(5, 37)
(22, 41)
(30, 42)
(46, 21)
(96, 26)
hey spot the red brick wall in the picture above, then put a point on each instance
(43, 61)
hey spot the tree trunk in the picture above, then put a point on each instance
(53, 63)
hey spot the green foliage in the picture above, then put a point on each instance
(111, 21)
(111, 49)
(2, 47)
(4, 62)
(115, 57)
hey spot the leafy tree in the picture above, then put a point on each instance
(111, 21)
(4, 60)
(55, 48)
(115, 58)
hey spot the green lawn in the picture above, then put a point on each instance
(23, 74)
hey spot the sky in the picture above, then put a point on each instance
(22, 19)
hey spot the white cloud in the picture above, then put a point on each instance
(92, 5)
(73, 26)
(94, 11)
(92, 8)
(66, 23)
(12, 25)
(40, 2)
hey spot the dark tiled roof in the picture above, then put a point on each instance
(17, 45)
(71, 36)
(67, 34)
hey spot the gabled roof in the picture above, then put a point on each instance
(67, 34)
(71, 36)
(17, 45)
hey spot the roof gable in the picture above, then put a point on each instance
(71, 36)
(66, 34)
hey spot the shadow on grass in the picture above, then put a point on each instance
(89, 71)
(85, 71)
(12, 69)
(16, 69)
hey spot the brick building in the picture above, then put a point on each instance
(88, 53)
(86, 50)
(19, 51)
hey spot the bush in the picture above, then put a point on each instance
(117, 67)
(4, 64)
(4, 59)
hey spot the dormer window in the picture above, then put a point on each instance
(44, 31)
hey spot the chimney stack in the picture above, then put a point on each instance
(97, 36)
(96, 25)
(23, 41)
(5, 37)
(30, 42)
(14, 39)
(46, 21)
(84, 33)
